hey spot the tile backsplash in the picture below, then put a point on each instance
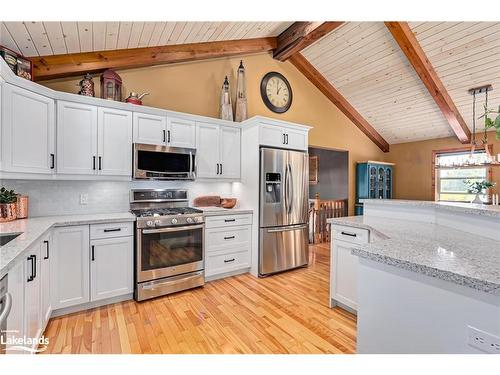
(63, 197)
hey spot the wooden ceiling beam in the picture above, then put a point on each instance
(313, 75)
(57, 66)
(300, 35)
(416, 56)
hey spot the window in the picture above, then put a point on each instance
(450, 181)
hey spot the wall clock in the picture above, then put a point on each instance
(276, 92)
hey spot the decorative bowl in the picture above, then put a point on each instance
(228, 202)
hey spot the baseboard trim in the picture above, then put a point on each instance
(227, 274)
(91, 305)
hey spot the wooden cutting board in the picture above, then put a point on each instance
(207, 201)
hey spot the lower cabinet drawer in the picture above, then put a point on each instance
(110, 230)
(350, 234)
(228, 220)
(221, 239)
(221, 263)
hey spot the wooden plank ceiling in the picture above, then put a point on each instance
(55, 38)
(360, 60)
(365, 64)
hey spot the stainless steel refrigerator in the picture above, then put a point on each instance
(284, 194)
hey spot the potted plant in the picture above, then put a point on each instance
(8, 209)
(478, 187)
(490, 122)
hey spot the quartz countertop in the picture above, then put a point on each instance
(217, 211)
(430, 249)
(33, 229)
(464, 208)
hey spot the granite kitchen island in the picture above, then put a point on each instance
(423, 277)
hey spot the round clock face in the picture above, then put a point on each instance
(276, 92)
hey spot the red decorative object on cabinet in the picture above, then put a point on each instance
(111, 85)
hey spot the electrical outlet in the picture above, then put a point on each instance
(84, 198)
(484, 341)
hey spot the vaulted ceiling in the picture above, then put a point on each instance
(358, 65)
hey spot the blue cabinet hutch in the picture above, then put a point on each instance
(374, 181)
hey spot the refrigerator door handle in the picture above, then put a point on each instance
(287, 229)
(290, 191)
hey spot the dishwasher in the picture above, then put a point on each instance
(5, 305)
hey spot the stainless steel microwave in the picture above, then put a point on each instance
(163, 163)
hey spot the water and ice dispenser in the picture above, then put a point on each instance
(273, 188)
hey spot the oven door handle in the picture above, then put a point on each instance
(172, 229)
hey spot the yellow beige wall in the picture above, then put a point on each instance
(195, 88)
(413, 170)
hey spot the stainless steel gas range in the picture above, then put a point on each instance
(169, 251)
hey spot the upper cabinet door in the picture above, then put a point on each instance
(295, 139)
(76, 138)
(230, 151)
(207, 150)
(271, 135)
(114, 142)
(181, 132)
(28, 131)
(150, 129)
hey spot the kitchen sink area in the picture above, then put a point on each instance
(6, 238)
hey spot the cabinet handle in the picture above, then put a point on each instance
(221, 168)
(229, 220)
(112, 230)
(52, 161)
(31, 277)
(100, 163)
(164, 136)
(286, 138)
(217, 168)
(93, 257)
(93, 163)
(34, 263)
(229, 238)
(46, 249)
(168, 136)
(348, 234)
(229, 260)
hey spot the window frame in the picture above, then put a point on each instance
(455, 150)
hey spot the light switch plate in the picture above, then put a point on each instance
(485, 341)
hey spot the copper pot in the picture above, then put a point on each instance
(22, 206)
(8, 212)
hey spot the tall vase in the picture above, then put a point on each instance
(226, 108)
(241, 95)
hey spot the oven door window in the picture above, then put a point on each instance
(163, 162)
(173, 248)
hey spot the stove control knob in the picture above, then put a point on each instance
(150, 223)
(189, 220)
(157, 222)
(174, 221)
(199, 219)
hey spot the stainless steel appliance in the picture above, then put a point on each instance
(169, 243)
(284, 192)
(163, 163)
(5, 306)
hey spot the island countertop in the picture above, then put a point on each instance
(33, 229)
(430, 249)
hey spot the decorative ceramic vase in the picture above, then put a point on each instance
(87, 86)
(241, 95)
(226, 108)
(477, 199)
(8, 212)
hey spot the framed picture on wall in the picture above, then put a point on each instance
(313, 170)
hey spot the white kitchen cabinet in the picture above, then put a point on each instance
(181, 132)
(114, 147)
(70, 266)
(28, 131)
(344, 265)
(32, 295)
(15, 321)
(230, 152)
(76, 138)
(149, 129)
(207, 150)
(286, 137)
(45, 275)
(111, 267)
(228, 240)
(218, 151)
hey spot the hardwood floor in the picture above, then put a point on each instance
(285, 313)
